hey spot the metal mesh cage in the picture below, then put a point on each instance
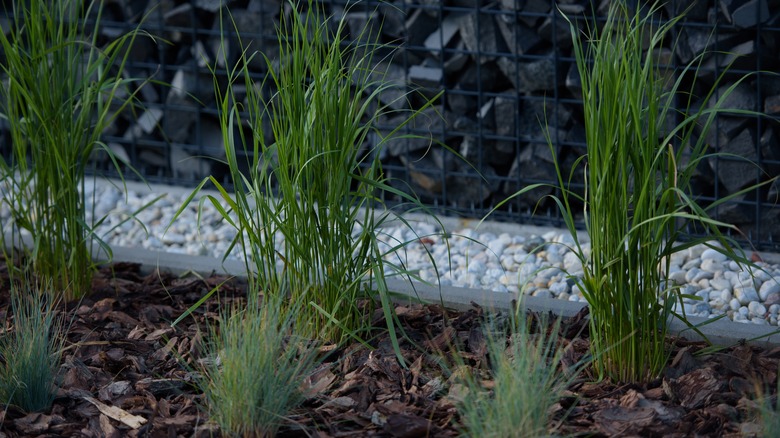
(505, 68)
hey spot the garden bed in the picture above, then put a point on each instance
(123, 353)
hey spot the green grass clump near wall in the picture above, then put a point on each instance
(60, 91)
(315, 186)
(637, 188)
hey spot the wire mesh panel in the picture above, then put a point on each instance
(509, 84)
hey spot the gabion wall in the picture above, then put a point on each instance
(503, 66)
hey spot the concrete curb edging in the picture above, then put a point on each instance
(723, 332)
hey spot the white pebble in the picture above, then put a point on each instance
(770, 286)
(543, 293)
(711, 254)
(720, 283)
(559, 287)
(678, 276)
(497, 247)
(756, 308)
(745, 294)
(476, 267)
(710, 265)
(691, 263)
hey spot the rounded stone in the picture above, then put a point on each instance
(756, 308)
(745, 294)
(492, 274)
(476, 267)
(678, 276)
(522, 257)
(770, 286)
(572, 263)
(692, 263)
(761, 275)
(713, 255)
(173, 239)
(710, 265)
(678, 259)
(500, 288)
(496, 247)
(701, 309)
(554, 259)
(559, 287)
(696, 251)
(720, 283)
(717, 303)
(506, 279)
(695, 275)
(714, 294)
(772, 299)
(543, 293)
(686, 307)
(508, 263)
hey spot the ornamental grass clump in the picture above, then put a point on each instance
(528, 380)
(59, 91)
(766, 412)
(255, 370)
(637, 189)
(305, 210)
(30, 350)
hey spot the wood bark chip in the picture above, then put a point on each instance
(118, 414)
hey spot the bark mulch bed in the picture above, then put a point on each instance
(122, 375)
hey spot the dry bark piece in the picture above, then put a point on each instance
(118, 414)
(407, 426)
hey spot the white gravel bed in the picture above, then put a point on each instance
(538, 265)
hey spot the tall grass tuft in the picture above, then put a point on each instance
(315, 187)
(256, 371)
(60, 90)
(527, 383)
(637, 200)
(30, 352)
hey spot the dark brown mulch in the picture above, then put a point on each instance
(123, 375)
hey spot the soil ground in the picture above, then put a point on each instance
(125, 359)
